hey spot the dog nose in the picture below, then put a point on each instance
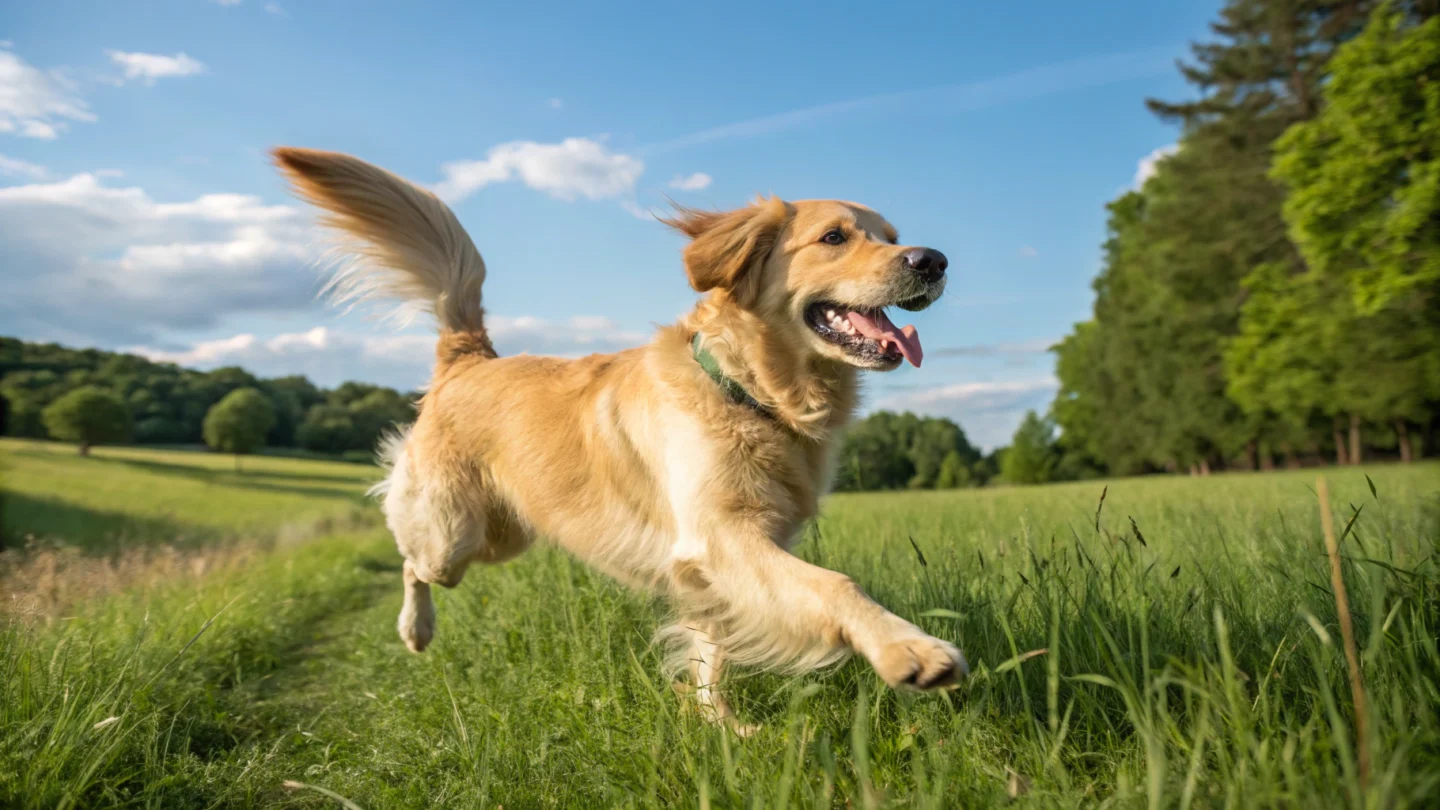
(926, 263)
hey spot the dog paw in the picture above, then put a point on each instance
(417, 627)
(921, 662)
(713, 710)
(742, 730)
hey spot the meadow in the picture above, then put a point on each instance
(177, 634)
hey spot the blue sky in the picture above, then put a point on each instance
(137, 210)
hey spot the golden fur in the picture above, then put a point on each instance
(636, 462)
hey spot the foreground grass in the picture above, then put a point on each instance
(1183, 653)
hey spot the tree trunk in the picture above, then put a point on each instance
(1355, 453)
(1252, 455)
(1402, 435)
(1204, 466)
(1194, 471)
(1341, 457)
(1291, 462)
(1267, 458)
(84, 448)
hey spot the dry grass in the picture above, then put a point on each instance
(47, 577)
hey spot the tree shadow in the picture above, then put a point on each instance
(353, 492)
(26, 519)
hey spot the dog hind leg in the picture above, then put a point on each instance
(417, 615)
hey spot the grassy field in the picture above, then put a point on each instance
(1179, 646)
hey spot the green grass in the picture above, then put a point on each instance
(1199, 668)
(125, 496)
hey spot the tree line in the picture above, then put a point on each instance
(1271, 295)
(51, 391)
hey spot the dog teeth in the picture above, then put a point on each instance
(884, 346)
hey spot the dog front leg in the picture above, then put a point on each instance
(774, 609)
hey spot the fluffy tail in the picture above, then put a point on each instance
(399, 241)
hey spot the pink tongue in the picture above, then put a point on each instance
(880, 328)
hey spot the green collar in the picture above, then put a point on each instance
(734, 391)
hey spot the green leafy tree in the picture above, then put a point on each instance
(1353, 338)
(293, 396)
(327, 429)
(239, 423)
(88, 416)
(1364, 175)
(1144, 385)
(375, 412)
(168, 404)
(954, 473)
(1031, 456)
(895, 451)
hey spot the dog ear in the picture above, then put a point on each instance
(727, 247)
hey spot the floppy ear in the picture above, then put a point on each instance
(727, 247)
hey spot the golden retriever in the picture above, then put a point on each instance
(687, 465)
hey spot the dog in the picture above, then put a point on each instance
(688, 465)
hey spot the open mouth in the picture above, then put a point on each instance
(865, 334)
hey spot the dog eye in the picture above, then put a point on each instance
(833, 237)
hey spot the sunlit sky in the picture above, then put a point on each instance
(138, 212)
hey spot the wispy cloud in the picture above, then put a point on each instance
(1034, 82)
(329, 355)
(1028, 252)
(1036, 346)
(36, 103)
(147, 67)
(15, 167)
(694, 182)
(573, 168)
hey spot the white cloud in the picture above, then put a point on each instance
(556, 103)
(988, 411)
(226, 2)
(694, 182)
(1032, 82)
(91, 262)
(573, 168)
(14, 167)
(274, 8)
(148, 67)
(1028, 252)
(330, 356)
(1148, 165)
(36, 103)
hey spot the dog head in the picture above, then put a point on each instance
(820, 271)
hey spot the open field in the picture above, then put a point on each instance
(1199, 667)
